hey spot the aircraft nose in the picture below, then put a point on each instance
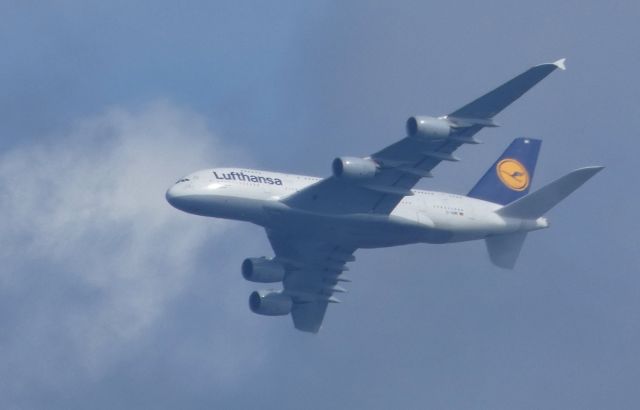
(173, 196)
(185, 198)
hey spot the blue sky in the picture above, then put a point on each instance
(109, 298)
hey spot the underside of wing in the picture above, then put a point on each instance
(313, 273)
(378, 183)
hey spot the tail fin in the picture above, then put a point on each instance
(539, 202)
(504, 249)
(510, 176)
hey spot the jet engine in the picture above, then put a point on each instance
(354, 168)
(428, 127)
(270, 303)
(262, 270)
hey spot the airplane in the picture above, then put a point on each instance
(315, 225)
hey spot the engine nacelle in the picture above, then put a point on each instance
(262, 270)
(270, 303)
(354, 168)
(428, 127)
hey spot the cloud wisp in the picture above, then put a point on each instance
(91, 252)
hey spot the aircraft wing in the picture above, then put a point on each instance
(401, 165)
(313, 270)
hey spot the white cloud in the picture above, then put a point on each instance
(86, 217)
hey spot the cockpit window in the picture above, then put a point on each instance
(182, 180)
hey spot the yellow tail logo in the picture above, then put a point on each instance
(513, 174)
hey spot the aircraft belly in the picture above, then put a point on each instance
(357, 230)
(227, 207)
(466, 228)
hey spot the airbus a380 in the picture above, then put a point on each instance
(315, 225)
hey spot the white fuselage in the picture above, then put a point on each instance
(255, 196)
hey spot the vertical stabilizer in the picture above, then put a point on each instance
(509, 178)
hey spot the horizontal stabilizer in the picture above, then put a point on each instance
(537, 203)
(495, 101)
(504, 249)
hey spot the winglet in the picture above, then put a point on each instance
(560, 64)
(556, 64)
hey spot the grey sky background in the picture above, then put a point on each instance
(109, 298)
